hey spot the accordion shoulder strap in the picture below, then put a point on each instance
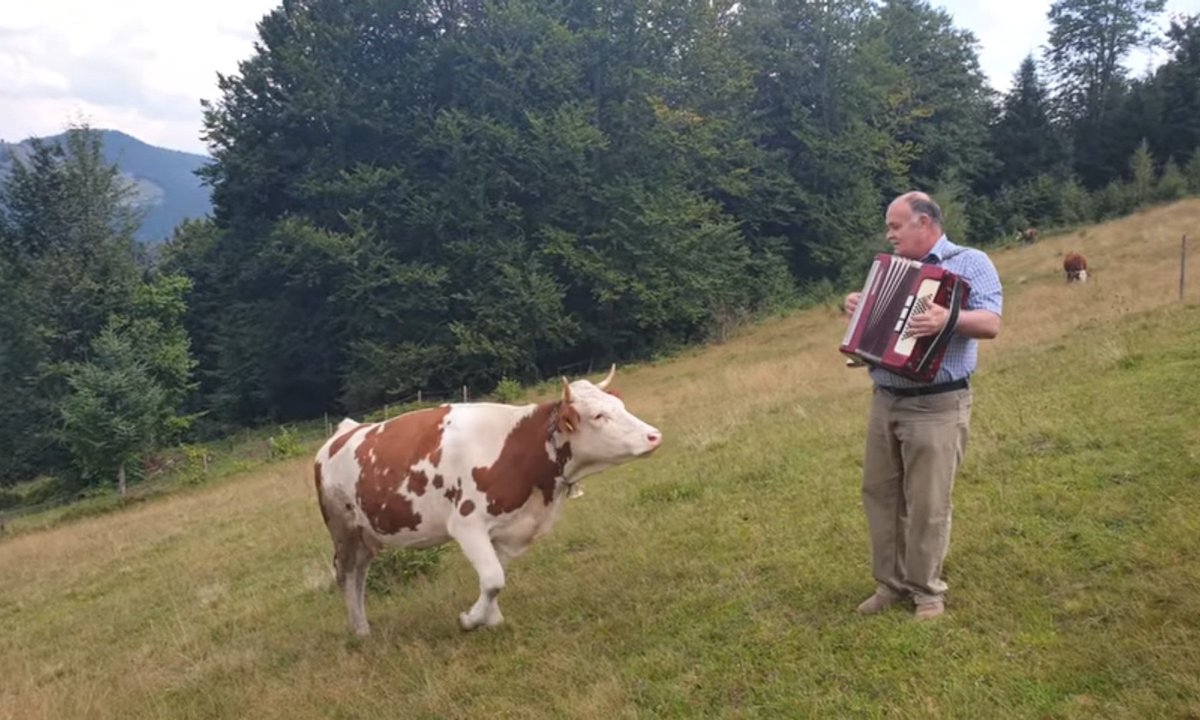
(958, 250)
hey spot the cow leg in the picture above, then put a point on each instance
(353, 558)
(359, 622)
(351, 555)
(477, 546)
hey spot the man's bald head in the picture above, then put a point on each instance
(921, 204)
(914, 223)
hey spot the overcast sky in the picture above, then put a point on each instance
(142, 66)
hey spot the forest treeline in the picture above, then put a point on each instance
(425, 194)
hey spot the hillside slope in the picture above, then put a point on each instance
(718, 578)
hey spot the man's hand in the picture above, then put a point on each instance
(851, 302)
(929, 322)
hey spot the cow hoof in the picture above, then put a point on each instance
(467, 624)
(362, 631)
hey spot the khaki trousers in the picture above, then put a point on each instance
(914, 447)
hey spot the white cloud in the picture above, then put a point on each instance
(142, 66)
(1008, 30)
(23, 77)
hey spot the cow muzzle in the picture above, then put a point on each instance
(654, 440)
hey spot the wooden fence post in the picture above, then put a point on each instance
(464, 393)
(1183, 268)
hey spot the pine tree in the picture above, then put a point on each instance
(1141, 168)
(68, 265)
(113, 410)
(68, 272)
(1172, 185)
(1024, 140)
(1192, 172)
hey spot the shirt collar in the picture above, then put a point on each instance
(939, 250)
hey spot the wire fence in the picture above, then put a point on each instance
(10, 514)
(159, 476)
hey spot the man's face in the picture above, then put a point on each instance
(907, 232)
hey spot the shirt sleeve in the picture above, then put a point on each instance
(986, 292)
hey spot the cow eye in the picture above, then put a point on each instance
(600, 416)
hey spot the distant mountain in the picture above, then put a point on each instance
(165, 181)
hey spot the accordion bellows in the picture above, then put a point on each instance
(897, 290)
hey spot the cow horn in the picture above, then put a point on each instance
(604, 383)
(565, 413)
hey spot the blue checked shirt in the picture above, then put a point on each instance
(962, 354)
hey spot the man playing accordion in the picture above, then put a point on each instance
(917, 432)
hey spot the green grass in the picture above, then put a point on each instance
(716, 579)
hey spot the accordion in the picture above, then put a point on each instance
(898, 289)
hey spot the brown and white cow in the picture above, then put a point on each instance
(1075, 266)
(1027, 235)
(491, 477)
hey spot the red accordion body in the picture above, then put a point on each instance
(896, 290)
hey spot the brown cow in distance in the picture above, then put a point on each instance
(1075, 266)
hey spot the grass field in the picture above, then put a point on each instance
(717, 578)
